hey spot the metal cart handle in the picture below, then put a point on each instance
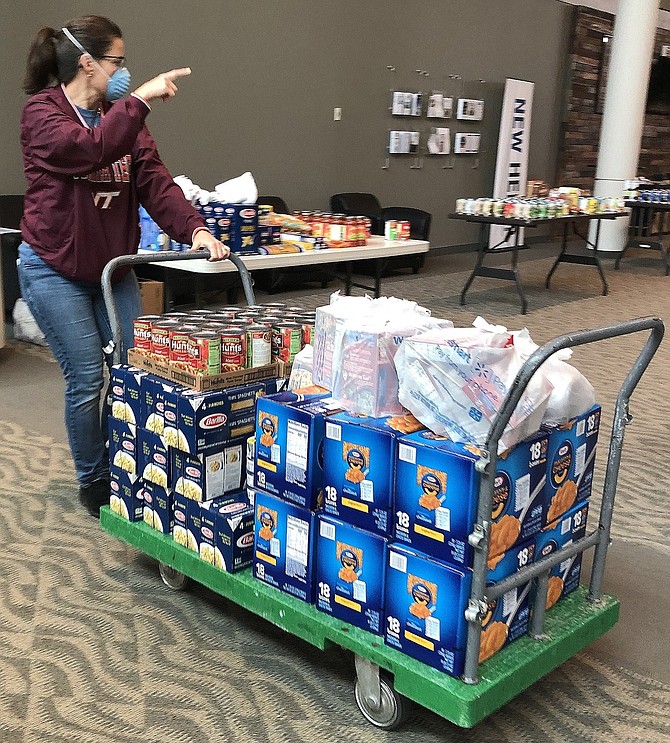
(133, 260)
(488, 461)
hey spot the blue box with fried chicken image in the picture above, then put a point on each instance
(284, 546)
(437, 487)
(350, 569)
(359, 457)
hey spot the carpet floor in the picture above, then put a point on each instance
(93, 648)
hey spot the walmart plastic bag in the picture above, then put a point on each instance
(455, 381)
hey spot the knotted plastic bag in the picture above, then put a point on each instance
(455, 380)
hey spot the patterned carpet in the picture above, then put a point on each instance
(94, 649)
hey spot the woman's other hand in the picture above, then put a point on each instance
(204, 240)
(162, 86)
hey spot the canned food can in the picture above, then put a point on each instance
(460, 206)
(175, 315)
(200, 312)
(307, 331)
(259, 345)
(231, 308)
(497, 208)
(233, 348)
(160, 337)
(273, 305)
(390, 229)
(179, 343)
(286, 341)
(404, 230)
(223, 317)
(295, 308)
(486, 207)
(204, 351)
(142, 331)
(249, 314)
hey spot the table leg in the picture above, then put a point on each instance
(379, 262)
(597, 259)
(347, 280)
(478, 265)
(517, 279)
(199, 291)
(168, 301)
(564, 243)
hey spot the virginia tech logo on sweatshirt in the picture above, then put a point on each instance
(117, 172)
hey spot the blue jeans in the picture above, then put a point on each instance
(73, 318)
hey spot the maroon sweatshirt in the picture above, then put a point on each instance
(85, 185)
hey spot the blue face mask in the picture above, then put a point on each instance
(118, 85)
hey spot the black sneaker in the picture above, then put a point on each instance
(93, 496)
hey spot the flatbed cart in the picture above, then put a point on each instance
(386, 679)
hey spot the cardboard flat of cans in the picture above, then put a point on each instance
(200, 382)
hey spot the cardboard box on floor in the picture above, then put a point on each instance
(151, 294)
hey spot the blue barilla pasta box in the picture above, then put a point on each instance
(359, 458)
(203, 477)
(125, 383)
(180, 513)
(284, 546)
(152, 403)
(205, 420)
(424, 606)
(350, 570)
(227, 533)
(123, 445)
(153, 460)
(564, 577)
(437, 487)
(570, 462)
(159, 499)
(126, 494)
(507, 617)
(289, 446)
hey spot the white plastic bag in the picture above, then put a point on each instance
(572, 393)
(302, 369)
(25, 327)
(455, 381)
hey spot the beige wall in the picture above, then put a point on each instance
(267, 75)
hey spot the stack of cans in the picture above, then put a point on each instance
(209, 342)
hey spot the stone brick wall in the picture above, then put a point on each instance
(582, 119)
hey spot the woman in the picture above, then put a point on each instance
(89, 162)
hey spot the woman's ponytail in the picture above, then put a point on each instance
(42, 67)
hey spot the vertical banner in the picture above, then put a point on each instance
(513, 144)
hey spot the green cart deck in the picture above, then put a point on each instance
(570, 626)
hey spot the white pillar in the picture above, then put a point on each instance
(623, 113)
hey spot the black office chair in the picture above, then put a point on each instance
(357, 204)
(419, 229)
(276, 202)
(11, 211)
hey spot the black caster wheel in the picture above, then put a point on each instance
(393, 709)
(172, 578)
